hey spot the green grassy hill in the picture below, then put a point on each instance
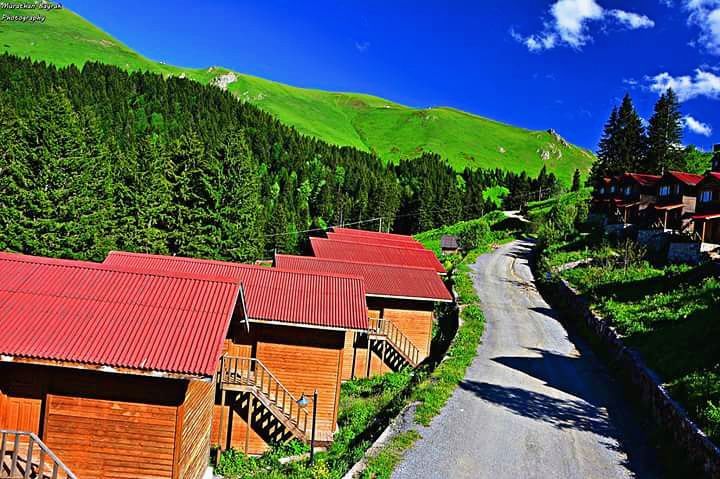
(366, 122)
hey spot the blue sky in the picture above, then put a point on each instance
(537, 64)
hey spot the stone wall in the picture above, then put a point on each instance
(688, 253)
(654, 240)
(643, 382)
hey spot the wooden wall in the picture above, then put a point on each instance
(105, 425)
(111, 439)
(194, 420)
(303, 359)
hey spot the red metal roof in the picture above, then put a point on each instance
(81, 312)
(376, 241)
(300, 298)
(380, 279)
(373, 234)
(351, 251)
(643, 179)
(687, 178)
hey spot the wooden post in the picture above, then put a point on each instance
(702, 237)
(312, 435)
(223, 440)
(369, 357)
(249, 423)
(382, 366)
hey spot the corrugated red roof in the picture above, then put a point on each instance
(300, 298)
(81, 312)
(643, 179)
(687, 178)
(364, 253)
(380, 279)
(373, 234)
(376, 241)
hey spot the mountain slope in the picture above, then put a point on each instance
(366, 122)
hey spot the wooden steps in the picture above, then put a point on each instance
(250, 375)
(386, 330)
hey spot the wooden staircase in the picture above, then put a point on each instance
(251, 375)
(24, 456)
(385, 330)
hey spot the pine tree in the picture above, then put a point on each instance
(607, 163)
(631, 140)
(664, 134)
(576, 181)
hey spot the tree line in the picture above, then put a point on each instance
(627, 145)
(95, 159)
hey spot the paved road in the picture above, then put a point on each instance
(531, 405)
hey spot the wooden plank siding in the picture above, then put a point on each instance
(194, 420)
(104, 425)
(302, 359)
(112, 439)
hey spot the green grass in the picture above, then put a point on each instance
(382, 465)
(370, 123)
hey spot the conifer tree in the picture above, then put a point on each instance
(607, 163)
(664, 134)
(576, 181)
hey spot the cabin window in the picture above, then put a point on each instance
(706, 196)
(602, 190)
(612, 189)
(676, 189)
(664, 190)
(628, 190)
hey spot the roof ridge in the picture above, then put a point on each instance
(365, 263)
(91, 265)
(233, 264)
(424, 250)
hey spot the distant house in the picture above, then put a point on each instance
(676, 199)
(601, 196)
(638, 193)
(111, 367)
(707, 209)
(449, 244)
(286, 340)
(401, 303)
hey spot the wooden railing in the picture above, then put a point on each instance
(251, 372)
(397, 339)
(23, 456)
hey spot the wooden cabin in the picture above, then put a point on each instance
(638, 193)
(449, 244)
(675, 202)
(601, 196)
(286, 342)
(401, 303)
(707, 209)
(108, 370)
(354, 249)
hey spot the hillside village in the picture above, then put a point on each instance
(206, 274)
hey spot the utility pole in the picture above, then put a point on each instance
(380, 227)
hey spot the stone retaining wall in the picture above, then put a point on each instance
(666, 413)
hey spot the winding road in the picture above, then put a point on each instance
(535, 403)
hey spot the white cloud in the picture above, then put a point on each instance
(687, 87)
(632, 20)
(697, 126)
(362, 47)
(569, 24)
(705, 14)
